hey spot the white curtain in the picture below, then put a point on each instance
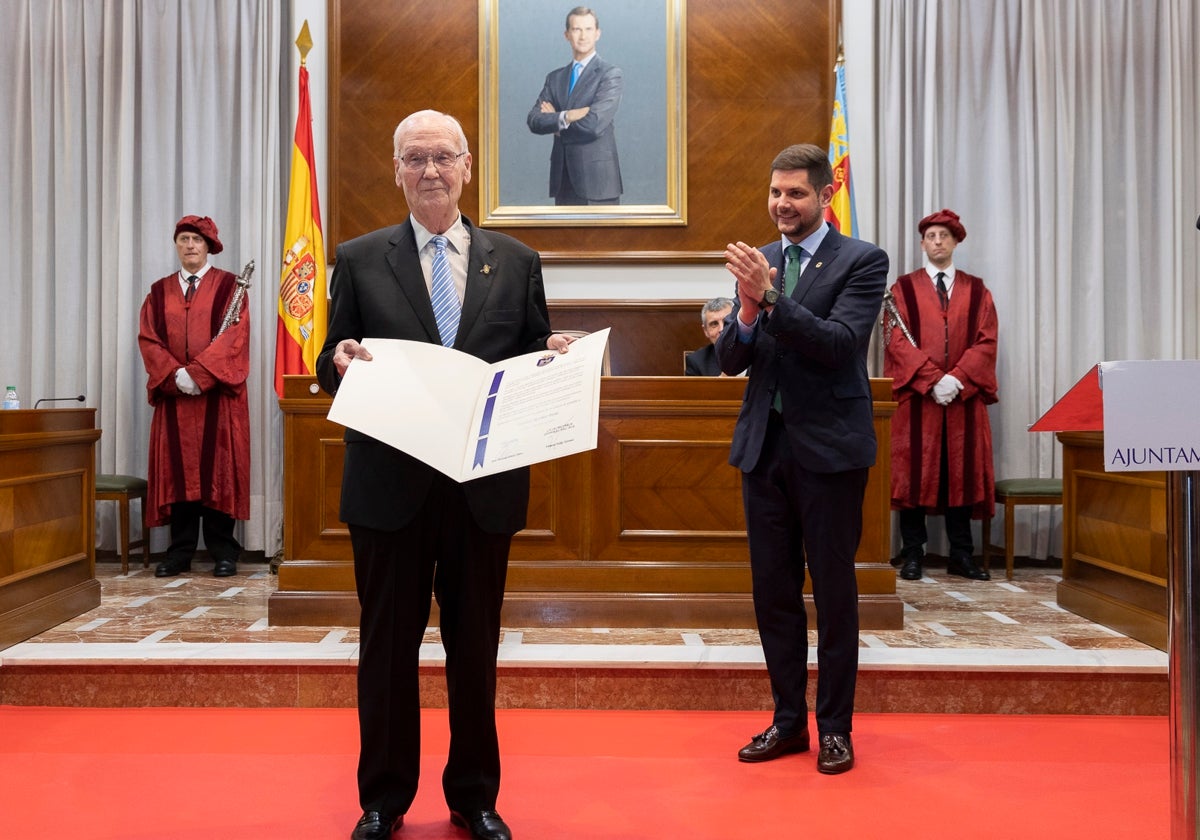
(123, 117)
(1064, 132)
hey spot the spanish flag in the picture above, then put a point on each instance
(302, 298)
(840, 211)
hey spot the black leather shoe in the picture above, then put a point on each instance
(771, 744)
(836, 755)
(172, 566)
(912, 570)
(225, 568)
(483, 824)
(965, 567)
(376, 825)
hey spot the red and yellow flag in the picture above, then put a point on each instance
(302, 291)
(840, 211)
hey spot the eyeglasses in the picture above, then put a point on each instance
(444, 161)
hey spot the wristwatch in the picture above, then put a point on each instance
(769, 297)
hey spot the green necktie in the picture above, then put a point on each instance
(791, 274)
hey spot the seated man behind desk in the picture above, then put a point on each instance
(704, 362)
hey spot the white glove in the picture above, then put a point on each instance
(946, 390)
(185, 383)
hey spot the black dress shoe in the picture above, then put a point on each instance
(912, 570)
(965, 567)
(836, 755)
(376, 825)
(225, 568)
(172, 566)
(772, 744)
(482, 823)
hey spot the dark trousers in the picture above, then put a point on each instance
(913, 534)
(185, 523)
(796, 517)
(566, 195)
(444, 552)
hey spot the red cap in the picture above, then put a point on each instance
(204, 226)
(947, 219)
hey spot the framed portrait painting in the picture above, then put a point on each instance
(602, 143)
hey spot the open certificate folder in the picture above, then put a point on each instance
(467, 418)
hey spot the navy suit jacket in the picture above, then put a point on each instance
(813, 350)
(379, 291)
(586, 149)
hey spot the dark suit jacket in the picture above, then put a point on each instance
(703, 362)
(379, 292)
(587, 149)
(813, 348)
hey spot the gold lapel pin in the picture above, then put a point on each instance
(820, 264)
(487, 269)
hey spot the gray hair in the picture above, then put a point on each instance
(714, 305)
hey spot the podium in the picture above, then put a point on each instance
(47, 519)
(646, 530)
(1150, 442)
(1114, 524)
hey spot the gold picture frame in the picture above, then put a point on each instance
(521, 43)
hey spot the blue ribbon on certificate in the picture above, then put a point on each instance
(485, 422)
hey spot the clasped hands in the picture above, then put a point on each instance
(946, 389)
(754, 276)
(348, 350)
(185, 383)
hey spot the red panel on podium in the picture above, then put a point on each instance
(1081, 409)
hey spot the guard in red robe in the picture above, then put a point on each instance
(200, 435)
(943, 377)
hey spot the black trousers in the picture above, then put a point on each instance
(185, 523)
(797, 518)
(913, 533)
(444, 552)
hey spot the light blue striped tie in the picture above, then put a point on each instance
(446, 308)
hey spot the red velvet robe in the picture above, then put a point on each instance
(918, 424)
(199, 445)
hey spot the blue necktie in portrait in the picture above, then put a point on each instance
(446, 308)
(575, 69)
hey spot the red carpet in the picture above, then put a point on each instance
(179, 774)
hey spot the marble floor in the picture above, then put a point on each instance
(952, 625)
(947, 620)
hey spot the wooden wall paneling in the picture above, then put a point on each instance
(645, 530)
(648, 338)
(752, 88)
(47, 519)
(1114, 542)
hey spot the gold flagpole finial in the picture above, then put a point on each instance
(304, 42)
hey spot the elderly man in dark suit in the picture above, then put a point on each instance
(413, 530)
(804, 440)
(578, 104)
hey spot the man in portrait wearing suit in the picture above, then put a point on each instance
(578, 104)
(434, 278)
(805, 441)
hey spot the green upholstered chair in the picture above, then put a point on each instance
(121, 489)
(1012, 492)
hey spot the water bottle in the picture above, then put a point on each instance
(11, 400)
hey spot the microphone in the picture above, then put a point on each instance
(80, 398)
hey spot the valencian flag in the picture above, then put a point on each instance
(841, 209)
(302, 302)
